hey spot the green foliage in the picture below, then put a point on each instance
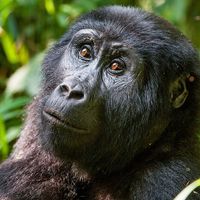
(28, 27)
(10, 114)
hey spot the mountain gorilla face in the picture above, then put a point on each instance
(111, 87)
(85, 110)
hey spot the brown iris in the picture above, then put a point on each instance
(116, 66)
(85, 53)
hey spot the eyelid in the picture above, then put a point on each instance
(89, 34)
(80, 40)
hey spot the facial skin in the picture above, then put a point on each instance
(101, 97)
(75, 113)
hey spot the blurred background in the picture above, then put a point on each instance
(29, 27)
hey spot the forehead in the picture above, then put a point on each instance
(109, 32)
(129, 26)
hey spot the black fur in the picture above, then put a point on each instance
(98, 133)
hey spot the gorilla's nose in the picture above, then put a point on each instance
(71, 91)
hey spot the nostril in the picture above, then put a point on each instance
(69, 92)
(75, 94)
(64, 88)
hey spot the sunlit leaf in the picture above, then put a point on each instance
(9, 47)
(23, 54)
(5, 4)
(49, 5)
(26, 78)
(6, 7)
(186, 192)
(3, 140)
(16, 83)
(13, 133)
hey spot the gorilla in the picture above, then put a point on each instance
(116, 117)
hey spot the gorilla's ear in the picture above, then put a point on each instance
(178, 92)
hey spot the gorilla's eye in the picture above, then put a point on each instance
(85, 52)
(117, 67)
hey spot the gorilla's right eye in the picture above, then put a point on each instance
(85, 52)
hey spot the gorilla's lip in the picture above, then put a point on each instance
(56, 119)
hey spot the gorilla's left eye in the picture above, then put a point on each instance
(85, 52)
(117, 67)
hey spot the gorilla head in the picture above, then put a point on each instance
(114, 85)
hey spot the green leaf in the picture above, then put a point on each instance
(4, 148)
(49, 5)
(27, 78)
(186, 192)
(12, 115)
(13, 133)
(6, 7)
(9, 104)
(9, 47)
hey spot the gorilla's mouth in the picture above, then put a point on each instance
(58, 120)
